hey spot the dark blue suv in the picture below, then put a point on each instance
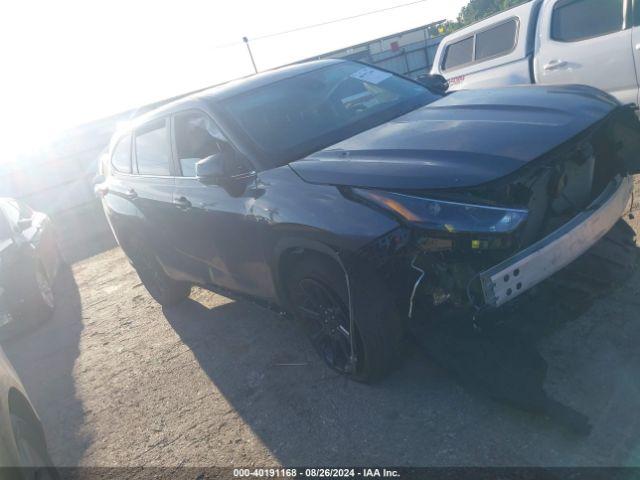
(353, 197)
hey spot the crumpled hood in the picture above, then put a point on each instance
(464, 139)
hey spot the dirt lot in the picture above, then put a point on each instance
(120, 381)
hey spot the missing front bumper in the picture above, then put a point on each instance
(514, 276)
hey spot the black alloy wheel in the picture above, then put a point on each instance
(328, 321)
(364, 348)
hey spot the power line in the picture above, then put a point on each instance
(315, 25)
(329, 22)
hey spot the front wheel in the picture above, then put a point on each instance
(318, 296)
(164, 290)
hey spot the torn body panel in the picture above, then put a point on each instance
(539, 261)
(573, 195)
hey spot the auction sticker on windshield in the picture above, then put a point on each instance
(371, 75)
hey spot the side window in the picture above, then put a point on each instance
(484, 45)
(197, 137)
(121, 159)
(153, 152)
(575, 20)
(459, 53)
(496, 41)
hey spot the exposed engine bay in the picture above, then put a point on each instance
(562, 187)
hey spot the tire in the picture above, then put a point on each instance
(164, 290)
(313, 281)
(33, 457)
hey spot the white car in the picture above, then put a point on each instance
(23, 448)
(549, 42)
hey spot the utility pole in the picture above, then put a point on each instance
(253, 62)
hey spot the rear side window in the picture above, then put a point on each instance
(153, 152)
(575, 20)
(121, 159)
(490, 43)
(459, 53)
(496, 41)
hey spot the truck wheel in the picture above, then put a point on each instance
(317, 294)
(164, 290)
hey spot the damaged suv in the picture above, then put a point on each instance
(347, 195)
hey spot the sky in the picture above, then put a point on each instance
(66, 62)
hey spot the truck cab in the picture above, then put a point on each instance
(549, 42)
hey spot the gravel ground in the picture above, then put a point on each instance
(118, 381)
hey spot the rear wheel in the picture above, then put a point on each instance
(164, 290)
(318, 296)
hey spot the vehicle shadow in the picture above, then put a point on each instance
(44, 359)
(306, 414)
(497, 352)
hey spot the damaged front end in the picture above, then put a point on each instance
(481, 247)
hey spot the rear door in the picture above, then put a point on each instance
(587, 42)
(116, 194)
(150, 187)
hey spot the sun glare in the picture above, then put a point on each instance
(65, 71)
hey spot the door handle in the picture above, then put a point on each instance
(637, 46)
(131, 194)
(555, 64)
(182, 203)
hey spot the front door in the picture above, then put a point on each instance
(587, 42)
(215, 226)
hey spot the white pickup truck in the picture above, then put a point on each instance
(591, 42)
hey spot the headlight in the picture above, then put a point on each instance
(445, 215)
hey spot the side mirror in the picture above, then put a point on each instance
(211, 170)
(434, 82)
(24, 223)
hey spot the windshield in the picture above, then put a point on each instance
(292, 118)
